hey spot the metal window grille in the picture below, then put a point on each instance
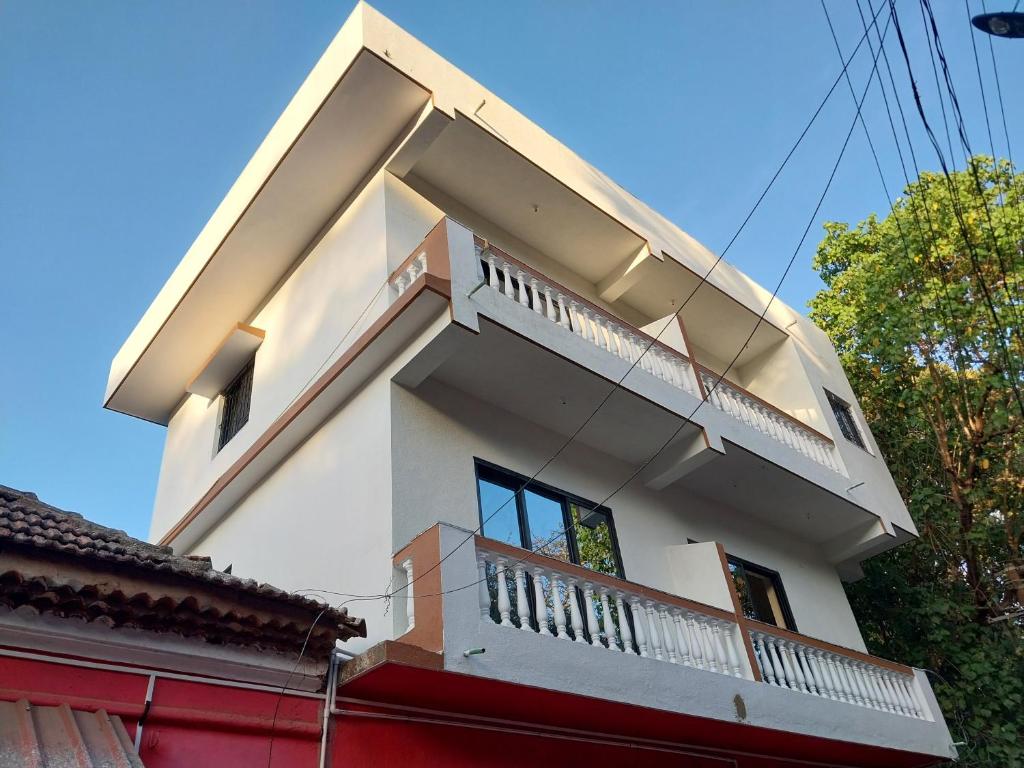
(844, 417)
(237, 396)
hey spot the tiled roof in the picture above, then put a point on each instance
(181, 594)
(61, 737)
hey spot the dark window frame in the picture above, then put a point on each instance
(514, 481)
(236, 397)
(846, 419)
(777, 585)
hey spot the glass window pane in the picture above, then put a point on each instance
(547, 526)
(498, 513)
(594, 540)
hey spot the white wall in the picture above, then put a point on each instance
(437, 431)
(322, 519)
(306, 321)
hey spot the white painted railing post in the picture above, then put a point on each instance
(557, 606)
(538, 598)
(607, 625)
(652, 626)
(592, 628)
(522, 603)
(574, 613)
(410, 603)
(639, 619)
(624, 630)
(504, 606)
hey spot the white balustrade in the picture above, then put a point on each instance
(603, 616)
(808, 669)
(740, 405)
(575, 316)
(408, 275)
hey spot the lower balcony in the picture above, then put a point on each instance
(527, 622)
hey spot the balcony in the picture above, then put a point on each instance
(520, 618)
(547, 353)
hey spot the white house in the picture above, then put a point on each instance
(420, 338)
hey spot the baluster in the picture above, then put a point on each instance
(721, 656)
(588, 331)
(524, 296)
(729, 638)
(782, 668)
(861, 683)
(592, 628)
(764, 661)
(538, 598)
(574, 613)
(557, 606)
(492, 272)
(535, 296)
(563, 313)
(638, 625)
(907, 686)
(507, 287)
(400, 284)
(848, 683)
(410, 601)
(877, 700)
(504, 606)
(482, 591)
(815, 673)
(549, 303)
(684, 643)
(422, 261)
(667, 631)
(833, 669)
(901, 701)
(888, 692)
(522, 604)
(708, 644)
(601, 333)
(696, 647)
(805, 667)
(652, 625)
(624, 631)
(825, 674)
(798, 675)
(606, 621)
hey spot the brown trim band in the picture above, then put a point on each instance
(426, 282)
(750, 625)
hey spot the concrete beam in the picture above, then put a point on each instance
(625, 275)
(680, 459)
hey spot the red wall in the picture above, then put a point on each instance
(189, 724)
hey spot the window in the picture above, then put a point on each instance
(235, 412)
(761, 594)
(541, 518)
(846, 420)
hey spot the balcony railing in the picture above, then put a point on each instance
(563, 601)
(520, 283)
(789, 661)
(767, 419)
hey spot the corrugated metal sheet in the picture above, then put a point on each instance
(61, 737)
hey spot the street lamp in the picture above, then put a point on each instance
(1003, 24)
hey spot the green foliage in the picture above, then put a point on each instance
(909, 305)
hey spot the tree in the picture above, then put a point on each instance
(925, 308)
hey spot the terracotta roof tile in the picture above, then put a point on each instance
(33, 526)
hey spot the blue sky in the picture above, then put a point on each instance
(122, 124)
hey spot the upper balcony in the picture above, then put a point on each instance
(547, 353)
(623, 658)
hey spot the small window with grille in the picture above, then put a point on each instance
(846, 420)
(235, 412)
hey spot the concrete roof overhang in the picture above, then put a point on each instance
(319, 152)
